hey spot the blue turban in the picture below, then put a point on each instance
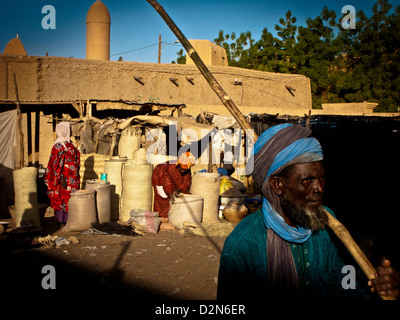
(277, 148)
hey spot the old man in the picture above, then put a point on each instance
(284, 250)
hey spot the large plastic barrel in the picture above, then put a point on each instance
(82, 210)
(206, 185)
(103, 201)
(186, 207)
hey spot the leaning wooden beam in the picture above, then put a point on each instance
(223, 96)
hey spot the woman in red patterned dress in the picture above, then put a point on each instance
(170, 179)
(62, 176)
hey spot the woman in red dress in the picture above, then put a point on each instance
(62, 176)
(170, 179)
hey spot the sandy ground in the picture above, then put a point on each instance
(166, 265)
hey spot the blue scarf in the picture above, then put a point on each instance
(275, 221)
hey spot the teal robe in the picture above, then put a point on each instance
(243, 265)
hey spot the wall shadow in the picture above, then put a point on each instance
(89, 172)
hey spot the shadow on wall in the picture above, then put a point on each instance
(89, 171)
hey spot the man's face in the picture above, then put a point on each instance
(302, 195)
(305, 184)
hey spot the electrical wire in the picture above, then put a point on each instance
(133, 50)
(149, 46)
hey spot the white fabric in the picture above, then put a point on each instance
(63, 130)
(224, 122)
(161, 192)
(8, 137)
(8, 140)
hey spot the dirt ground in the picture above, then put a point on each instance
(166, 265)
(116, 274)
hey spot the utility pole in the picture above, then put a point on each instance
(159, 48)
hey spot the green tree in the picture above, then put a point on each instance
(181, 57)
(375, 59)
(236, 48)
(285, 44)
(344, 65)
(315, 51)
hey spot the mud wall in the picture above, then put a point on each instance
(57, 78)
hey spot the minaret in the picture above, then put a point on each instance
(98, 23)
(15, 46)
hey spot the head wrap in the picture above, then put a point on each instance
(277, 148)
(63, 130)
(186, 160)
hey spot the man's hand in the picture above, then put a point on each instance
(387, 281)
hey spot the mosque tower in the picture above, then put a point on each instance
(15, 46)
(98, 23)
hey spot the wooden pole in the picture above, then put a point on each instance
(21, 134)
(159, 48)
(29, 136)
(37, 138)
(210, 156)
(223, 96)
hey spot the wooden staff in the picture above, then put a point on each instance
(339, 229)
(223, 96)
(344, 235)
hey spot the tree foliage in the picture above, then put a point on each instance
(344, 65)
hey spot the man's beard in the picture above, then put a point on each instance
(307, 218)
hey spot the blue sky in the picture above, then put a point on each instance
(135, 24)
